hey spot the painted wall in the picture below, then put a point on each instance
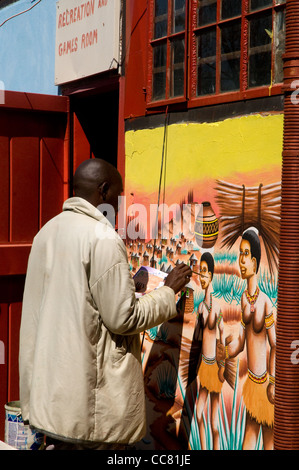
(184, 410)
(27, 53)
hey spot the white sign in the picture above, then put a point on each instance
(87, 38)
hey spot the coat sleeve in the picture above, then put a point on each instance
(114, 294)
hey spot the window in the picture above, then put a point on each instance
(168, 49)
(209, 48)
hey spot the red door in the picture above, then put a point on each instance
(34, 182)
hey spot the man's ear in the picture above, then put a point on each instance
(103, 189)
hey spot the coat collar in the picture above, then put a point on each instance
(81, 206)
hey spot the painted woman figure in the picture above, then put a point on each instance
(257, 326)
(210, 374)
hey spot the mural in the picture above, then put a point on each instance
(210, 372)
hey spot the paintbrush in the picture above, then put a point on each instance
(195, 272)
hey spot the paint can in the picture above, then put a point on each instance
(17, 434)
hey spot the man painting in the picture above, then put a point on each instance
(81, 381)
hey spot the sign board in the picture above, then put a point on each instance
(87, 38)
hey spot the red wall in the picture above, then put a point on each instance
(34, 181)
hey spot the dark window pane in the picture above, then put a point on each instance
(206, 12)
(178, 82)
(160, 56)
(206, 62)
(230, 56)
(178, 51)
(206, 78)
(231, 38)
(179, 16)
(159, 84)
(160, 27)
(179, 4)
(159, 71)
(261, 31)
(260, 69)
(279, 44)
(206, 44)
(161, 7)
(258, 4)
(259, 66)
(231, 8)
(177, 67)
(230, 75)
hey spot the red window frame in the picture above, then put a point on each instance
(168, 39)
(190, 98)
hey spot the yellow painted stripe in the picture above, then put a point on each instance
(206, 222)
(229, 155)
(206, 236)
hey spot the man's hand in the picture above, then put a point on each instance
(178, 277)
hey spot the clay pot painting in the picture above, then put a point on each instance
(206, 226)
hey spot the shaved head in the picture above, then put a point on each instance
(97, 181)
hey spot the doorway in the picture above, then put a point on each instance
(97, 114)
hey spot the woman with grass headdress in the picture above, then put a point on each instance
(257, 326)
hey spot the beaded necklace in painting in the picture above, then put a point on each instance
(209, 308)
(252, 299)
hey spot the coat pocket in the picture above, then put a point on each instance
(121, 347)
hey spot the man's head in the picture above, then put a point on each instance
(250, 254)
(98, 182)
(206, 269)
